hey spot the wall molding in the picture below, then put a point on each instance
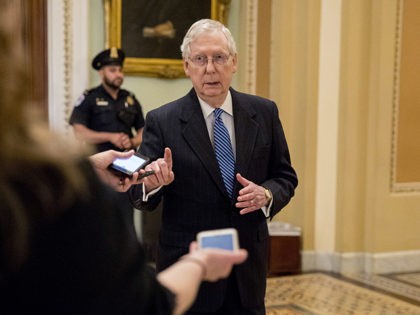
(67, 59)
(67, 65)
(248, 46)
(371, 263)
(397, 187)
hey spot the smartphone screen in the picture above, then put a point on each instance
(219, 241)
(130, 165)
(223, 239)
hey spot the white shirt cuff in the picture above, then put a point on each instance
(151, 193)
(267, 209)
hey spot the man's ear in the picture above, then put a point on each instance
(235, 63)
(186, 67)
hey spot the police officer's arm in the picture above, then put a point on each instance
(119, 139)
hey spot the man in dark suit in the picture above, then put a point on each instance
(195, 190)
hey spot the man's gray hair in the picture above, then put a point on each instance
(204, 26)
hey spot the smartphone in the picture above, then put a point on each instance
(130, 165)
(222, 238)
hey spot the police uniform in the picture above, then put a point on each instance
(98, 111)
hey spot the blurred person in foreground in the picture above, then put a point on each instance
(225, 164)
(65, 247)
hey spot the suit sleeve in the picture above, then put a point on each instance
(282, 176)
(153, 148)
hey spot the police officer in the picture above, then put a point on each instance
(107, 116)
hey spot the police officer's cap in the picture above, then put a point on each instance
(112, 56)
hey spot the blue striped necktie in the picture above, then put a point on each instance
(223, 150)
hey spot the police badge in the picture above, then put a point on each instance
(130, 100)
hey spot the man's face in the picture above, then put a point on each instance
(112, 76)
(211, 81)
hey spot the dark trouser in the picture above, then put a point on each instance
(232, 304)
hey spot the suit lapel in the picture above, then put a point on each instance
(246, 130)
(196, 135)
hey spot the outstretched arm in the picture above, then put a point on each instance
(185, 276)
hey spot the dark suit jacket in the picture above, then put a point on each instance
(197, 200)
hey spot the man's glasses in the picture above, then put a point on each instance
(219, 59)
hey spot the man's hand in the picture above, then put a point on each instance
(252, 197)
(163, 172)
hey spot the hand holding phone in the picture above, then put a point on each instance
(222, 238)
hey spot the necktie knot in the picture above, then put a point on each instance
(218, 113)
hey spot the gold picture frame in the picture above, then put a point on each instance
(142, 59)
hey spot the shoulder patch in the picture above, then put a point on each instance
(80, 99)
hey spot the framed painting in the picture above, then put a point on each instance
(150, 32)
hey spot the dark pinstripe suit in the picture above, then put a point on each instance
(197, 200)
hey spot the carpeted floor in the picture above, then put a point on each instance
(324, 294)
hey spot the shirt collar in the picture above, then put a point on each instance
(226, 106)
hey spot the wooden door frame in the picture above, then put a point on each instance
(35, 37)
